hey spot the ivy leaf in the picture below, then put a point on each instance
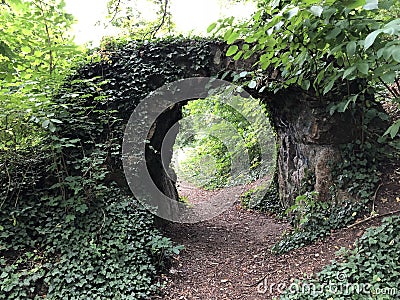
(52, 127)
(45, 123)
(252, 84)
(232, 50)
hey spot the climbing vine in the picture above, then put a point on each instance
(368, 271)
(70, 225)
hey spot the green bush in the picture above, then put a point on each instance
(358, 175)
(220, 132)
(69, 229)
(313, 219)
(109, 251)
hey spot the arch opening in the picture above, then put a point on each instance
(213, 137)
(152, 130)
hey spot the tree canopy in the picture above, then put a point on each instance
(316, 44)
(37, 52)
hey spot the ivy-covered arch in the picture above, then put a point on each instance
(102, 95)
(308, 136)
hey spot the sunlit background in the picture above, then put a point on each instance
(189, 16)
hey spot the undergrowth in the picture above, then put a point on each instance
(264, 197)
(69, 227)
(357, 176)
(370, 271)
(221, 140)
(110, 251)
(315, 219)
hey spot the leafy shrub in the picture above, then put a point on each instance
(358, 173)
(370, 271)
(220, 133)
(206, 164)
(109, 251)
(69, 227)
(313, 219)
(320, 45)
(264, 197)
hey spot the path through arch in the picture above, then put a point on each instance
(229, 257)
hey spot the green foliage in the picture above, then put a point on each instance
(348, 49)
(206, 164)
(127, 16)
(322, 47)
(370, 271)
(250, 198)
(36, 54)
(312, 219)
(357, 175)
(356, 178)
(358, 172)
(264, 197)
(107, 250)
(78, 235)
(69, 227)
(223, 132)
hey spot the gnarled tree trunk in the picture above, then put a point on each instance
(309, 140)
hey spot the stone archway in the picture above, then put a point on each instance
(308, 136)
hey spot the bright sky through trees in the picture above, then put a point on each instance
(189, 16)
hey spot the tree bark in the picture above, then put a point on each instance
(309, 141)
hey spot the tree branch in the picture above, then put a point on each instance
(48, 35)
(374, 217)
(115, 11)
(163, 19)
